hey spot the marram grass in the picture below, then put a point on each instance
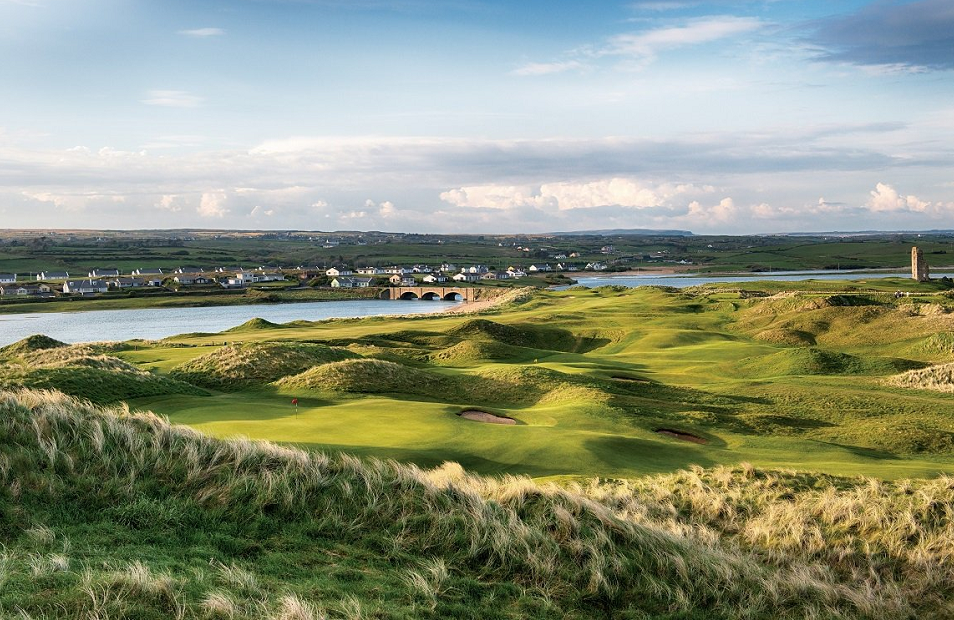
(106, 513)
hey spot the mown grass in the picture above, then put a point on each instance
(108, 513)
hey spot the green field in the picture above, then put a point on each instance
(797, 380)
(748, 506)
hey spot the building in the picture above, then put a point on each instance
(52, 275)
(8, 278)
(466, 277)
(104, 273)
(346, 282)
(435, 278)
(26, 290)
(919, 266)
(402, 280)
(334, 272)
(154, 271)
(126, 282)
(85, 287)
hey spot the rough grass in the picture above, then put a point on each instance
(36, 342)
(939, 377)
(130, 517)
(81, 371)
(370, 376)
(241, 366)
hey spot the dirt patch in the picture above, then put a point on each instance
(682, 436)
(483, 416)
(630, 379)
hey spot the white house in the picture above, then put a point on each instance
(448, 267)
(271, 276)
(25, 290)
(52, 275)
(155, 271)
(104, 273)
(334, 272)
(126, 283)
(8, 278)
(370, 271)
(247, 277)
(535, 268)
(85, 287)
(345, 282)
(478, 269)
(435, 278)
(466, 277)
(516, 272)
(188, 270)
(595, 266)
(398, 280)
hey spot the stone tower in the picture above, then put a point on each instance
(919, 267)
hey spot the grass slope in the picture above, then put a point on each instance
(242, 366)
(83, 371)
(104, 513)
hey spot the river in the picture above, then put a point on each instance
(688, 279)
(156, 323)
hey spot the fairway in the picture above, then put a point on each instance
(590, 376)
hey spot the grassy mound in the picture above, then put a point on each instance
(534, 337)
(816, 361)
(252, 325)
(130, 517)
(781, 335)
(476, 351)
(939, 377)
(80, 371)
(370, 376)
(36, 342)
(240, 366)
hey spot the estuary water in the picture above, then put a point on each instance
(156, 323)
(688, 279)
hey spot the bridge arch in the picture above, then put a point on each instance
(453, 296)
(431, 296)
(409, 295)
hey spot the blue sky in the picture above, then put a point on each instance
(477, 115)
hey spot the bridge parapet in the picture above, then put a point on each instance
(447, 293)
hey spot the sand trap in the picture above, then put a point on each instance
(683, 436)
(630, 379)
(483, 416)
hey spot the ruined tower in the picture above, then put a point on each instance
(919, 267)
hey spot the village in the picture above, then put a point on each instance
(47, 284)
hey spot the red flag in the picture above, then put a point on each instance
(294, 401)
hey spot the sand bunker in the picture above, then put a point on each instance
(483, 416)
(630, 379)
(683, 436)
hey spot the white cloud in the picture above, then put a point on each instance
(642, 48)
(885, 198)
(567, 195)
(648, 44)
(172, 99)
(212, 204)
(170, 202)
(202, 32)
(722, 213)
(547, 68)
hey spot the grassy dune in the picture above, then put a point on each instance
(127, 516)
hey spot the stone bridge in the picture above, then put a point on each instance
(447, 293)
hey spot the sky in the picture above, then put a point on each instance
(477, 116)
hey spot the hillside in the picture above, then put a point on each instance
(107, 513)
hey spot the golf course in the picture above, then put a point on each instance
(711, 452)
